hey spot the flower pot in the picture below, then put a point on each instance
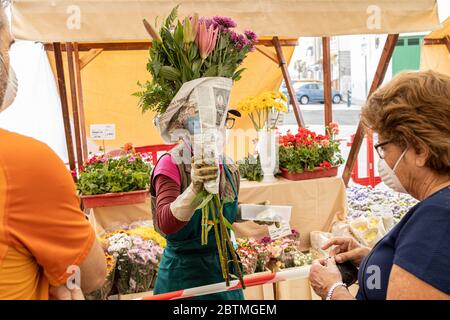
(114, 199)
(268, 153)
(306, 175)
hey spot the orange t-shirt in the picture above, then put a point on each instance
(42, 229)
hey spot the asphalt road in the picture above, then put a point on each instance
(313, 114)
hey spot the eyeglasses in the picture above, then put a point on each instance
(229, 123)
(379, 148)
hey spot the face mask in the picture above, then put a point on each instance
(11, 89)
(193, 125)
(388, 175)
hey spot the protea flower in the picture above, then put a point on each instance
(206, 39)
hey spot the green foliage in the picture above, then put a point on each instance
(127, 173)
(250, 168)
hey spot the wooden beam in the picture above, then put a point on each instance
(145, 45)
(447, 43)
(80, 101)
(287, 80)
(328, 103)
(431, 42)
(268, 54)
(89, 56)
(73, 94)
(64, 106)
(383, 64)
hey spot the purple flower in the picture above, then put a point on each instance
(131, 159)
(251, 36)
(234, 37)
(224, 23)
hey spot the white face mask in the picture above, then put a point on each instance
(11, 89)
(388, 175)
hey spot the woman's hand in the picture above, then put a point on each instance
(323, 274)
(347, 249)
(202, 172)
(64, 293)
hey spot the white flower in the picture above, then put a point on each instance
(119, 242)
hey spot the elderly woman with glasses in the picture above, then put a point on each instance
(411, 116)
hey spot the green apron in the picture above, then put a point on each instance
(187, 264)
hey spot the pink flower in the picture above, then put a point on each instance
(206, 39)
(131, 159)
(325, 143)
(251, 36)
(334, 127)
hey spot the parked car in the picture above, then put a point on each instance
(313, 92)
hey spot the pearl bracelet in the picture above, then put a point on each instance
(333, 287)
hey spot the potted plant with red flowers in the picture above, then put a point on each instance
(115, 180)
(307, 155)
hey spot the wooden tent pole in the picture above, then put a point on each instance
(268, 54)
(80, 101)
(287, 80)
(377, 80)
(327, 81)
(64, 106)
(73, 94)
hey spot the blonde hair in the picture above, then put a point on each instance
(413, 109)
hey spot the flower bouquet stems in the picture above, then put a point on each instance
(212, 206)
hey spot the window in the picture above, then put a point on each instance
(400, 43)
(414, 42)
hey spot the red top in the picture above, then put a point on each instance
(167, 183)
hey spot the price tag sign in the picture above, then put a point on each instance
(103, 131)
(283, 231)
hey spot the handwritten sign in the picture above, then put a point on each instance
(283, 231)
(103, 131)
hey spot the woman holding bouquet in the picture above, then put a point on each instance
(186, 263)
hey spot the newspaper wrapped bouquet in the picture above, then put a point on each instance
(193, 63)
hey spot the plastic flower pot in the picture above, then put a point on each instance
(307, 175)
(114, 199)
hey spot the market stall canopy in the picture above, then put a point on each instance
(435, 54)
(89, 20)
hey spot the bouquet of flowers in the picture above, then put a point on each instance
(272, 254)
(264, 110)
(195, 47)
(306, 150)
(103, 174)
(133, 255)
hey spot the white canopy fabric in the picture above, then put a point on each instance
(110, 20)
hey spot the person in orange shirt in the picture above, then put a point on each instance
(45, 239)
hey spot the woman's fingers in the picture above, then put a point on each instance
(338, 241)
(205, 171)
(348, 256)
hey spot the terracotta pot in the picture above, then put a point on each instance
(114, 199)
(306, 175)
